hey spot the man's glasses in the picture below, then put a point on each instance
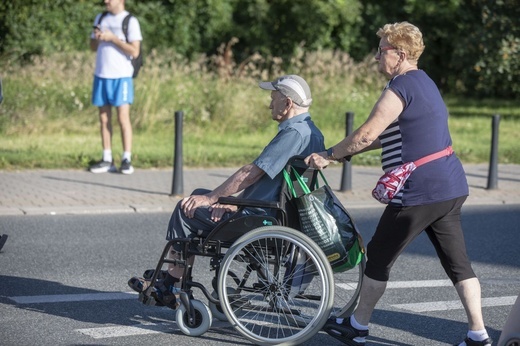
(382, 49)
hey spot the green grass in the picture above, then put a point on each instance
(46, 120)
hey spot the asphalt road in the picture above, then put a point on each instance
(62, 278)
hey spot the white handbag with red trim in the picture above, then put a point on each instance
(392, 182)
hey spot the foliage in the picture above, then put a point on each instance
(472, 46)
(488, 55)
(33, 27)
(281, 27)
(47, 121)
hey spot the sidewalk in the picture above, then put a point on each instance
(40, 192)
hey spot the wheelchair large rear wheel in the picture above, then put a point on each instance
(283, 286)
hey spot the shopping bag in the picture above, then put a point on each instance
(326, 221)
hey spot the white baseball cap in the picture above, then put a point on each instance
(292, 86)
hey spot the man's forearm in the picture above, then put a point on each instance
(240, 180)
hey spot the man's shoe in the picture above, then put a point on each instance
(168, 296)
(344, 332)
(139, 284)
(471, 342)
(103, 167)
(126, 167)
(163, 295)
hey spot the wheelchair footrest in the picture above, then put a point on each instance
(147, 300)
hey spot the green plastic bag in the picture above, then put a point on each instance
(326, 221)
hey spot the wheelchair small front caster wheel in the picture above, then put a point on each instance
(202, 319)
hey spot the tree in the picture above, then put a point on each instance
(486, 60)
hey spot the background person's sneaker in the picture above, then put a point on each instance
(103, 167)
(126, 167)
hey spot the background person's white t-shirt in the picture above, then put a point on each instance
(111, 62)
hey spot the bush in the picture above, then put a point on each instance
(472, 46)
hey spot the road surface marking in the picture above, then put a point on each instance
(454, 304)
(141, 329)
(405, 284)
(61, 298)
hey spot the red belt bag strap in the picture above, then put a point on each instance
(392, 182)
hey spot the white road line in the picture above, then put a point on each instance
(454, 304)
(405, 284)
(60, 298)
(419, 283)
(141, 329)
(117, 331)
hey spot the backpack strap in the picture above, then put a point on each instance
(125, 25)
(101, 17)
(125, 22)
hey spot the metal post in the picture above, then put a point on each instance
(346, 177)
(493, 157)
(177, 183)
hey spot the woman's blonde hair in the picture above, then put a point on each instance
(404, 36)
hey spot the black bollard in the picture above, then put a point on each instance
(3, 239)
(346, 177)
(493, 157)
(177, 183)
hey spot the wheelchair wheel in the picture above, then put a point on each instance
(216, 309)
(347, 286)
(283, 286)
(202, 321)
(513, 342)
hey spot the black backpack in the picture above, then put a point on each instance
(137, 62)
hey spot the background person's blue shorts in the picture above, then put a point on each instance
(115, 92)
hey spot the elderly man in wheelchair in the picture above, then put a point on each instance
(265, 272)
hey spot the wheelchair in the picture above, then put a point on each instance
(271, 282)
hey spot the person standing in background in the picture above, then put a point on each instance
(113, 83)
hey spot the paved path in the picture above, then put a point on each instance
(78, 192)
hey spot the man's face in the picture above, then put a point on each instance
(114, 6)
(278, 106)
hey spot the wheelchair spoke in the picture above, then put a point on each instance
(287, 293)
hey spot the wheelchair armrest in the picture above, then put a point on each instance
(255, 203)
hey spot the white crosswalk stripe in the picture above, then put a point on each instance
(61, 298)
(454, 304)
(141, 329)
(165, 327)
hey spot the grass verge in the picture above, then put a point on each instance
(46, 120)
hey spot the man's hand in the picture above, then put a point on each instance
(189, 204)
(106, 36)
(218, 210)
(317, 160)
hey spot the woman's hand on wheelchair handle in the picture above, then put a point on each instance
(317, 160)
